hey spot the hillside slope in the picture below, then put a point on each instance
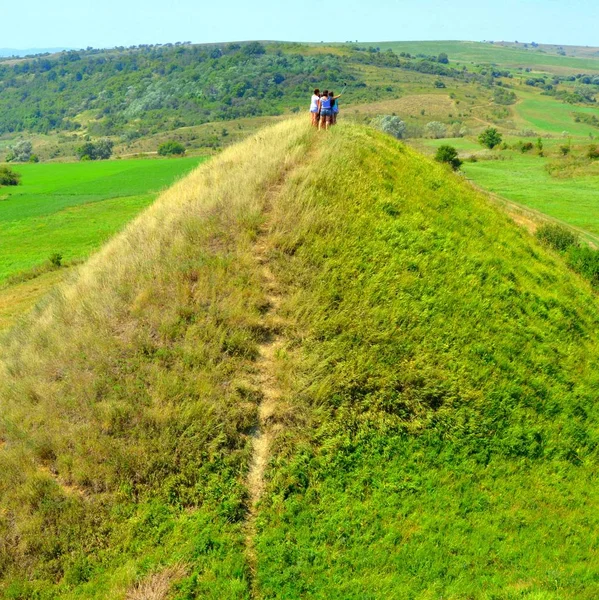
(319, 367)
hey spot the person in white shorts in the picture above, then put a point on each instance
(314, 108)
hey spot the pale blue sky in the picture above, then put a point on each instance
(106, 23)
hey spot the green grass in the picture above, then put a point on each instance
(548, 115)
(443, 389)
(436, 429)
(72, 208)
(524, 179)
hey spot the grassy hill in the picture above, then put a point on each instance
(321, 366)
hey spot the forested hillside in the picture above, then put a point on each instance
(155, 88)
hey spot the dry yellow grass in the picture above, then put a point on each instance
(168, 316)
(158, 585)
(433, 104)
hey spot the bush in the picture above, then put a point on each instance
(253, 49)
(448, 155)
(171, 149)
(585, 260)
(593, 152)
(564, 150)
(9, 177)
(525, 147)
(556, 236)
(56, 259)
(490, 138)
(504, 97)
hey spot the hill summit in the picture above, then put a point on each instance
(320, 366)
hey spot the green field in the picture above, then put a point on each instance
(507, 55)
(548, 115)
(72, 208)
(572, 200)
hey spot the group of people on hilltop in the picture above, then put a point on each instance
(324, 108)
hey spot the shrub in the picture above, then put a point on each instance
(490, 138)
(9, 177)
(556, 236)
(449, 155)
(564, 150)
(525, 147)
(171, 148)
(593, 152)
(253, 49)
(585, 260)
(504, 97)
(56, 259)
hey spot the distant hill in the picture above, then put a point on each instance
(6, 52)
(321, 366)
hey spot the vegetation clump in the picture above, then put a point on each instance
(9, 177)
(504, 96)
(556, 236)
(20, 152)
(449, 155)
(392, 125)
(490, 138)
(100, 150)
(171, 148)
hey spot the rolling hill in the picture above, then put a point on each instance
(320, 366)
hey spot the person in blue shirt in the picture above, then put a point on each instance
(325, 109)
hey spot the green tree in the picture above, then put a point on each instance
(448, 155)
(171, 148)
(100, 150)
(253, 49)
(443, 58)
(20, 152)
(436, 130)
(490, 138)
(390, 124)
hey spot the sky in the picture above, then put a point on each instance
(108, 23)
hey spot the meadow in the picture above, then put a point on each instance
(70, 209)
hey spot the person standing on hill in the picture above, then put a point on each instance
(314, 107)
(326, 110)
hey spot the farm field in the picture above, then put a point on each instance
(70, 209)
(505, 54)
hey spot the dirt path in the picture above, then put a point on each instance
(266, 381)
